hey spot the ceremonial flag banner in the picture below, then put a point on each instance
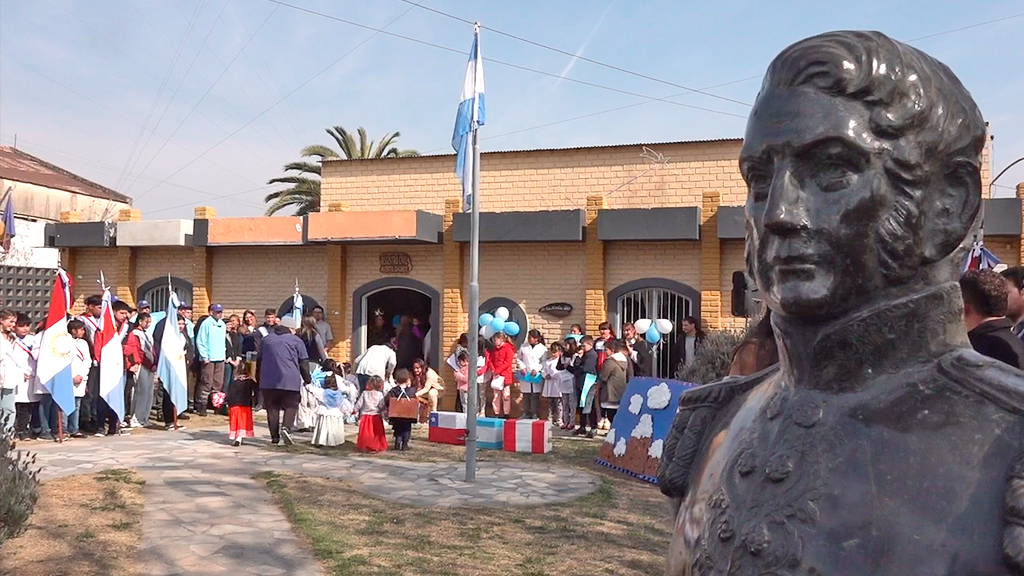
(111, 358)
(57, 346)
(171, 368)
(471, 116)
(8, 219)
(297, 307)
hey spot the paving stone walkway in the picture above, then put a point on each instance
(205, 515)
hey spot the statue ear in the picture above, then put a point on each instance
(949, 210)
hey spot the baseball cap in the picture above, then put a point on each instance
(216, 308)
(144, 304)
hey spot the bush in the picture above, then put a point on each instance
(19, 487)
(712, 359)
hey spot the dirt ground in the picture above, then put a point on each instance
(622, 529)
(82, 526)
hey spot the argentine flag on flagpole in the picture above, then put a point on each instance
(472, 114)
(170, 367)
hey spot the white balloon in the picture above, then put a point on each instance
(664, 325)
(487, 331)
(502, 313)
(642, 325)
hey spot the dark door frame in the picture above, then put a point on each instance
(360, 314)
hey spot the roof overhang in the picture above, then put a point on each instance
(542, 226)
(651, 224)
(391, 226)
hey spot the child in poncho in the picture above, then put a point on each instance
(329, 429)
(240, 397)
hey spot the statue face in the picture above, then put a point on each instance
(817, 193)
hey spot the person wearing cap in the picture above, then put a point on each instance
(211, 348)
(282, 368)
(143, 308)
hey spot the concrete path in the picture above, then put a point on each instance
(205, 515)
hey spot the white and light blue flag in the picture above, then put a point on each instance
(472, 114)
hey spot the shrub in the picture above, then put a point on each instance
(713, 358)
(19, 487)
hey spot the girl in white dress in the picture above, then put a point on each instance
(330, 414)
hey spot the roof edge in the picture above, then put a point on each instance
(114, 195)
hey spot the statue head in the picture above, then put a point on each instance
(862, 159)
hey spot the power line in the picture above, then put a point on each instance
(501, 62)
(275, 104)
(968, 27)
(203, 97)
(160, 92)
(580, 57)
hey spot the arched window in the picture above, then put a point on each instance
(654, 298)
(155, 292)
(286, 307)
(515, 314)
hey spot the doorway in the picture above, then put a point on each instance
(654, 298)
(396, 297)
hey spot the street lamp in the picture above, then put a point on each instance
(993, 182)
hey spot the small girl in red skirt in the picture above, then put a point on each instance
(240, 396)
(371, 426)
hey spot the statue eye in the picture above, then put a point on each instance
(759, 183)
(833, 176)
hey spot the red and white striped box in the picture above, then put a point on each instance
(447, 428)
(533, 436)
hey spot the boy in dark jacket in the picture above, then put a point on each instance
(584, 365)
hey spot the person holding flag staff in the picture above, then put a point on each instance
(172, 363)
(57, 349)
(110, 358)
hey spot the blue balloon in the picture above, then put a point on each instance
(653, 336)
(396, 321)
(498, 324)
(485, 319)
(511, 328)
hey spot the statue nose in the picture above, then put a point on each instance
(785, 212)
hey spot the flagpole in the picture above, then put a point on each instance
(60, 425)
(474, 315)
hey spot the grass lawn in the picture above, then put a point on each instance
(82, 526)
(621, 529)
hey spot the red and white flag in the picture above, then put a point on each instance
(56, 347)
(110, 357)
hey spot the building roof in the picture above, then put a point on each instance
(17, 165)
(565, 148)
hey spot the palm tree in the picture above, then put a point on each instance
(304, 191)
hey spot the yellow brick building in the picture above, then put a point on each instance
(615, 232)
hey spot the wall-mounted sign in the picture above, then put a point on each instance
(556, 309)
(395, 263)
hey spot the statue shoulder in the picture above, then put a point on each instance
(698, 409)
(996, 381)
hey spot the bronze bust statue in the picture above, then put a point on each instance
(880, 443)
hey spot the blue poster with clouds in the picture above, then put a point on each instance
(634, 443)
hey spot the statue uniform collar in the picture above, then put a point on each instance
(848, 353)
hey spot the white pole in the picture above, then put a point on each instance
(474, 316)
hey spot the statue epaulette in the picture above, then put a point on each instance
(697, 410)
(997, 382)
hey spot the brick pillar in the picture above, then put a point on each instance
(454, 314)
(202, 267)
(710, 262)
(126, 259)
(1020, 241)
(595, 305)
(70, 216)
(338, 295)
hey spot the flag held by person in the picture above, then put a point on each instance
(8, 222)
(471, 115)
(297, 305)
(171, 367)
(57, 346)
(110, 356)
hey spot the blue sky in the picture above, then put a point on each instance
(79, 80)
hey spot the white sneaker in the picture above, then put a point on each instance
(135, 423)
(100, 434)
(286, 437)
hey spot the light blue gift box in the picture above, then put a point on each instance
(490, 433)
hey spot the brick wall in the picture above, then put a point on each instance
(533, 275)
(251, 277)
(544, 179)
(364, 266)
(627, 261)
(88, 264)
(158, 262)
(1006, 248)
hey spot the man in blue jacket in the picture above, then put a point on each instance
(211, 347)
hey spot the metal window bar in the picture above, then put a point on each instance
(157, 297)
(654, 303)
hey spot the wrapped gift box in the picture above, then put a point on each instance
(447, 428)
(490, 433)
(533, 436)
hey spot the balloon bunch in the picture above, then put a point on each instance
(653, 330)
(491, 324)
